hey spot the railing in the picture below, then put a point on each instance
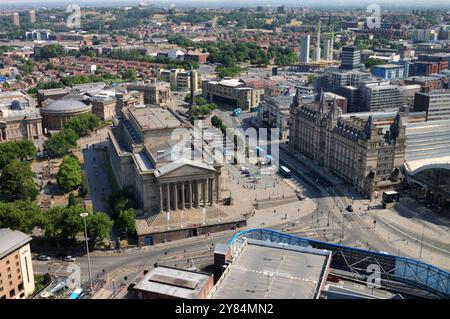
(393, 268)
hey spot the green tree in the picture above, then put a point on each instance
(372, 62)
(69, 176)
(20, 150)
(99, 226)
(83, 123)
(16, 181)
(20, 215)
(53, 221)
(126, 220)
(72, 222)
(121, 200)
(61, 143)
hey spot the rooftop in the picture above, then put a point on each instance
(153, 118)
(11, 240)
(173, 282)
(266, 270)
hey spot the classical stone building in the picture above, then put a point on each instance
(56, 113)
(155, 93)
(140, 152)
(109, 103)
(362, 152)
(19, 117)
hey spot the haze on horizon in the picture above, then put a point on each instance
(231, 3)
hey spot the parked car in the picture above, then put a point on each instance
(44, 258)
(69, 259)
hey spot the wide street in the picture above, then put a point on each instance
(329, 222)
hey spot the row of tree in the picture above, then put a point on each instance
(62, 142)
(60, 222)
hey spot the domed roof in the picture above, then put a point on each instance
(66, 106)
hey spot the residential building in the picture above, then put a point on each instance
(305, 41)
(180, 79)
(327, 50)
(16, 19)
(32, 16)
(366, 155)
(199, 57)
(232, 92)
(16, 268)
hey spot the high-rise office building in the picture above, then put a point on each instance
(32, 16)
(436, 104)
(16, 19)
(351, 58)
(304, 48)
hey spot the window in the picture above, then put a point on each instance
(12, 293)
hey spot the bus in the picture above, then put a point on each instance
(76, 294)
(285, 172)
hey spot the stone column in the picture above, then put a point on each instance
(196, 194)
(175, 199)
(160, 198)
(183, 200)
(204, 192)
(190, 195)
(168, 196)
(210, 190)
(217, 188)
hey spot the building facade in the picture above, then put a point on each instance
(363, 154)
(155, 93)
(180, 80)
(274, 111)
(19, 117)
(142, 158)
(305, 41)
(16, 268)
(232, 92)
(436, 104)
(350, 58)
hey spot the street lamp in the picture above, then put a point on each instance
(84, 215)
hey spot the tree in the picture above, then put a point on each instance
(121, 200)
(99, 226)
(82, 124)
(16, 181)
(53, 221)
(69, 176)
(71, 223)
(20, 215)
(126, 220)
(372, 62)
(61, 143)
(20, 150)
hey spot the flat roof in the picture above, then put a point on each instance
(173, 282)
(11, 240)
(274, 271)
(154, 118)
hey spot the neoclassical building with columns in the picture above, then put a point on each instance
(140, 151)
